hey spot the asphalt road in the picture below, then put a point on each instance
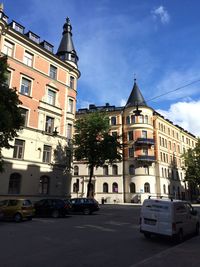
(110, 237)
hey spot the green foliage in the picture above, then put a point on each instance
(192, 165)
(62, 157)
(92, 142)
(11, 119)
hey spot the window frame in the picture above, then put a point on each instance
(24, 87)
(28, 58)
(19, 148)
(53, 72)
(47, 153)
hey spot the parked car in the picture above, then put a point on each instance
(52, 207)
(16, 209)
(172, 218)
(84, 205)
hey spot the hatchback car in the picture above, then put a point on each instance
(16, 209)
(52, 207)
(84, 205)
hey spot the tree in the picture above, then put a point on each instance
(94, 144)
(11, 120)
(192, 167)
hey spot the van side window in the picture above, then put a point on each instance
(181, 208)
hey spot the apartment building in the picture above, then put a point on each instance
(151, 164)
(47, 86)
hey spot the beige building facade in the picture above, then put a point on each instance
(46, 83)
(152, 163)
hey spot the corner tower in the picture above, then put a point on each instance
(66, 50)
(139, 154)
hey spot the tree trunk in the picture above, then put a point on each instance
(89, 193)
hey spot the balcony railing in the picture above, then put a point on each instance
(145, 141)
(146, 158)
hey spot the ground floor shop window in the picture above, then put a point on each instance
(14, 183)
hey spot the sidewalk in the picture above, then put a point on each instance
(186, 254)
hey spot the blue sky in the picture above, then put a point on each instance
(157, 40)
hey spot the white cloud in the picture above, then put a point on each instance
(162, 14)
(184, 114)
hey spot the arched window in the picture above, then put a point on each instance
(147, 188)
(131, 169)
(164, 189)
(145, 119)
(44, 185)
(132, 188)
(115, 188)
(105, 188)
(76, 170)
(127, 120)
(75, 188)
(113, 121)
(14, 183)
(141, 119)
(132, 119)
(169, 190)
(105, 170)
(114, 170)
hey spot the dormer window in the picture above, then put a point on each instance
(16, 26)
(33, 37)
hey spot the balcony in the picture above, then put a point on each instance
(145, 141)
(146, 158)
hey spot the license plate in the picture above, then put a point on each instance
(149, 222)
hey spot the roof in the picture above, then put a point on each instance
(136, 98)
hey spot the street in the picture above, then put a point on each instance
(109, 237)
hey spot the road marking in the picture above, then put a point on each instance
(100, 228)
(44, 220)
(117, 223)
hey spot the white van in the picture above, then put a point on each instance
(168, 217)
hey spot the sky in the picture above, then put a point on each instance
(155, 41)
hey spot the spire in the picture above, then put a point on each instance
(66, 50)
(1, 7)
(135, 98)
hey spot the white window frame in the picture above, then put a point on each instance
(51, 98)
(8, 48)
(29, 87)
(28, 58)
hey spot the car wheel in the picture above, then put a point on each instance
(179, 237)
(86, 211)
(17, 217)
(197, 229)
(55, 214)
(147, 235)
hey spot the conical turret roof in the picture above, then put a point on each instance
(136, 98)
(66, 50)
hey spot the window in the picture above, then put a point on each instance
(47, 154)
(44, 185)
(131, 169)
(131, 152)
(113, 121)
(14, 183)
(141, 119)
(76, 170)
(145, 119)
(132, 119)
(114, 170)
(51, 97)
(127, 120)
(71, 106)
(8, 48)
(49, 126)
(53, 72)
(130, 135)
(18, 27)
(132, 187)
(18, 152)
(28, 59)
(69, 131)
(144, 134)
(147, 188)
(72, 82)
(25, 87)
(105, 170)
(145, 151)
(115, 188)
(24, 114)
(105, 188)
(8, 77)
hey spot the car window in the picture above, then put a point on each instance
(3, 203)
(13, 202)
(27, 202)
